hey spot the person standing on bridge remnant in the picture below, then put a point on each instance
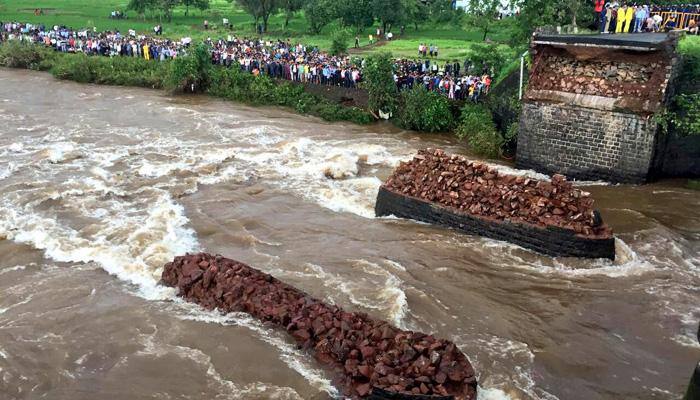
(692, 27)
(629, 17)
(621, 12)
(599, 12)
(605, 24)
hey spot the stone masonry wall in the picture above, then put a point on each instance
(589, 108)
(586, 143)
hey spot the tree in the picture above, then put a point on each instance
(260, 9)
(290, 7)
(140, 6)
(488, 58)
(378, 76)
(356, 14)
(442, 11)
(199, 4)
(538, 13)
(166, 6)
(482, 13)
(414, 12)
(320, 13)
(424, 110)
(162, 6)
(389, 12)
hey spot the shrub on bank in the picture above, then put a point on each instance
(477, 127)
(190, 73)
(121, 71)
(378, 76)
(339, 42)
(424, 110)
(237, 85)
(17, 54)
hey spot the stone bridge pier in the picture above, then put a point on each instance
(588, 111)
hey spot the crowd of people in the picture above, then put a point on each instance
(278, 59)
(447, 80)
(91, 42)
(615, 17)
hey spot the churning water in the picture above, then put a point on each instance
(100, 186)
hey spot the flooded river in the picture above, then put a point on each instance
(100, 186)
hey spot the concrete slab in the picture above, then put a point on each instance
(631, 41)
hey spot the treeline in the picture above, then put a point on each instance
(356, 14)
(165, 7)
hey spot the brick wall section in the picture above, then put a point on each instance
(586, 143)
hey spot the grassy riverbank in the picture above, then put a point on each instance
(231, 84)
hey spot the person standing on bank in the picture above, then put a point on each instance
(357, 42)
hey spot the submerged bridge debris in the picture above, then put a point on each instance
(549, 217)
(368, 357)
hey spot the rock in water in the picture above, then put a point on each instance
(363, 353)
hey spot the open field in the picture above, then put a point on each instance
(452, 41)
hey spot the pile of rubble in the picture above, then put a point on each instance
(602, 78)
(477, 189)
(364, 353)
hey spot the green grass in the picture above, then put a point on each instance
(452, 41)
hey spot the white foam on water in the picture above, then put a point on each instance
(16, 147)
(372, 291)
(11, 269)
(527, 173)
(60, 152)
(19, 303)
(498, 379)
(155, 238)
(483, 393)
(6, 171)
(327, 173)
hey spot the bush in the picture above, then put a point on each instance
(234, 84)
(16, 54)
(684, 114)
(192, 72)
(339, 42)
(79, 68)
(122, 71)
(426, 111)
(477, 127)
(689, 48)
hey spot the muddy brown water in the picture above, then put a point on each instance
(100, 186)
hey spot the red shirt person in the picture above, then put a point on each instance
(599, 4)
